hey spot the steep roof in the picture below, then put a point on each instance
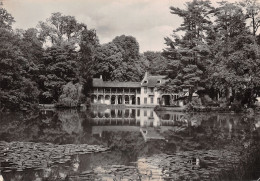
(152, 80)
(115, 84)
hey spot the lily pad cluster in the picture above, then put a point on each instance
(27, 155)
(111, 172)
(183, 165)
(192, 165)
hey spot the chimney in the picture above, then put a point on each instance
(101, 77)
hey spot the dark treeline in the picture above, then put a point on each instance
(50, 63)
(216, 52)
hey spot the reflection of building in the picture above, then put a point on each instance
(144, 117)
(144, 93)
(145, 120)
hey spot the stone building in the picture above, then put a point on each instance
(144, 93)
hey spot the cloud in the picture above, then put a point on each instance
(147, 20)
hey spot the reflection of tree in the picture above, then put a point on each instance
(71, 121)
(211, 131)
(61, 127)
(203, 136)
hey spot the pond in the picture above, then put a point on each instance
(129, 144)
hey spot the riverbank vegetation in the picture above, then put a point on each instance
(214, 52)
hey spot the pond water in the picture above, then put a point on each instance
(129, 144)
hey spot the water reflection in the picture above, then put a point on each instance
(144, 145)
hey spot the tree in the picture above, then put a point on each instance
(59, 67)
(229, 23)
(71, 94)
(6, 19)
(119, 60)
(109, 62)
(32, 46)
(236, 55)
(189, 54)
(89, 43)
(17, 91)
(158, 65)
(59, 28)
(132, 66)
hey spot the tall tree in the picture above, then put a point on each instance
(59, 28)
(129, 47)
(109, 62)
(59, 67)
(158, 65)
(89, 43)
(6, 19)
(18, 91)
(234, 66)
(189, 54)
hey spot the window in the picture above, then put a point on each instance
(158, 81)
(151, 100)
(145, 112)
(145, 90)
(158, 100)
(145, 100)
(151, 114)
(145, 82)
(151, 89)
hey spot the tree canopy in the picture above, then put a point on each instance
(217, 53)
(214, 51)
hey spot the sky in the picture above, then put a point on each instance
(149, 21)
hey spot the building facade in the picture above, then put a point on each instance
(144, 93)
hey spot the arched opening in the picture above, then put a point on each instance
(133, 113)
(93, 114)
(107, 115)
(100, 115)
(126, 113)
(126, 99)
(166, 100)
(107, 99)
(120, 113)
(101, 99)
(93, 99)
(113, 113)
(133, 100)
(120, 100)
(113, 100)
(138, 100)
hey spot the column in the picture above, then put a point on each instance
(130, 112)
(123, 113)
(116, 112)
(116, 100)
(130, 100)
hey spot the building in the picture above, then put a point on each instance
(144, 93)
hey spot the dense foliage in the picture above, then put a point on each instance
(45, 64)
(219, 52)
(215, 52)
